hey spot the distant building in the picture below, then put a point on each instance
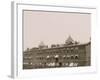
(70, 54)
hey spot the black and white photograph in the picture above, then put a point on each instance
(50, 40)
(54, 39)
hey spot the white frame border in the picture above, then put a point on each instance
(16, 70)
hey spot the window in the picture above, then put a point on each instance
(64, 57)
(76, 56)
(72, 57)
(48, 57)
(68, 56)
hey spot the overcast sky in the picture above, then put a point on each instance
(55, 27)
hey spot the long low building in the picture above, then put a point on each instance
(70, 54)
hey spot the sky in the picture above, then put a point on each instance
(55, 27)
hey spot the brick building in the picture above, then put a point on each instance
(70, 54)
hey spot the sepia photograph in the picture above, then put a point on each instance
(54, 39)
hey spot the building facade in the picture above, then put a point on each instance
(70, 54)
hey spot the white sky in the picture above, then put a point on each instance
(54, 27)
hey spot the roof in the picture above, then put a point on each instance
(41, 43)
(69, 39)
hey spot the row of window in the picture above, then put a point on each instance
(64, 51)
(54, 50)
(59, 57)
(53, 64)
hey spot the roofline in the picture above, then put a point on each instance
(83, 44)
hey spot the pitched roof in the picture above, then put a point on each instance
(69, 39)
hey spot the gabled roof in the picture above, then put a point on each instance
(69, 39)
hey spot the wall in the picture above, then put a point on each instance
(5, 40)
